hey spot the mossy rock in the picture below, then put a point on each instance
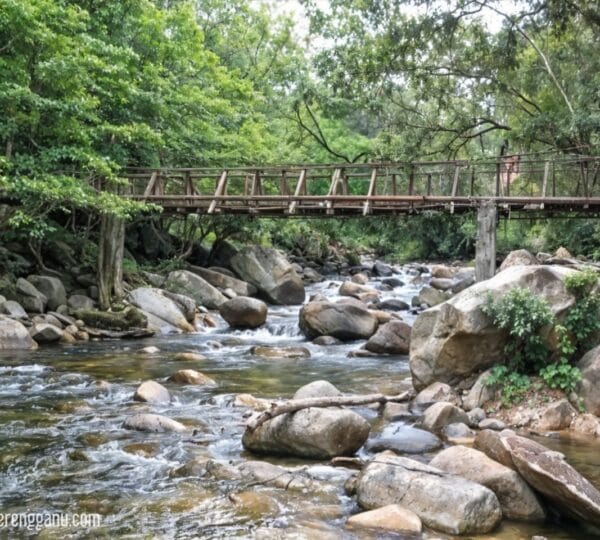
(130, 317)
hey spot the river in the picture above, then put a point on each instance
(63, 448)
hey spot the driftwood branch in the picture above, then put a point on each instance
(295, 405)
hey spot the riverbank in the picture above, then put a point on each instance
(67, 408)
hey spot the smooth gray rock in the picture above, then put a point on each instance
(589, 386)
(391, 338)
(444, 502)
(159, 306)
(192, 285)
(32, 300)
(244, 312)
(14, 336)
(80, 301)
(152, 392)
(317, 389)
(45, 333)
(154, 423)
(13, 309)
(52, 288)
(270, 272)
(441, 414)
(404, 439)
(225, 281)
(344, 321)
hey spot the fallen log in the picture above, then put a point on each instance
(295, 405)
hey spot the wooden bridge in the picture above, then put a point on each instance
(514, 183)
(528, 185)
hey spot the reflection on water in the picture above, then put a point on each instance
(62, 447)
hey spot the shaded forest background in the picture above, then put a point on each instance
(90, 87)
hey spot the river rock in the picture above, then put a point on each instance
(29, 297)
(80, 301)
(319, 433)
(393, 518)
(455, 339)
(191, 376)
(437, 391)
(52, 288)
(317, 389)
(326, 341)
(391, 338)
(280, 352)
(192, 285)
(548, 473)
(244, 312)
(252, 402)
(154, 423)
(442, 271)
(224, 281)
(520, 257)
(441, 414)
(13, 309)
(480, 393)
(270, 272)
(361, 278)
(254, 504)
(14, 336)
(186, 304)
(490, 443)
(516, 498)
(404, 439)
(363, 293)
(589, 386)
(432, 297)
(444, 502)
(155, 303)
(189, 356)
(556, 416)
(587, 425)
(45, 333)
(343, 321)
(382, 270)
(152, 392)
(458, 432)
(492, 423)
(310, 275)
(442, 284)
(393, 304)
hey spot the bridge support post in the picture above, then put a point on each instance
(485, 249)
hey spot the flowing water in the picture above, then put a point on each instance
(63, 448)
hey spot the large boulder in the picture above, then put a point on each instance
(403, 439)
(548, 473)
(29, 297)
(244, 312)
(437, 392)
(393, 518)
(444, 502)
(155, 303)
(319, 433)
(480, 393)
(345, 321)
(589, 386)
(390, 338)
(152, 392)
(362, 292)
(271, 273)
(452, 340)
(154, 423)
(52, 288)
(224, 281)
(192, 285)
(14, 336)
(520, 257)
(13, 309)
(45, 333)
(516, 498)
(441, 414)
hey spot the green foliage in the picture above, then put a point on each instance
(561, 375)
(522, 314)
(583, 319)
(513, 385)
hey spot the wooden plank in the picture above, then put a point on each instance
(300, 189)
(333, 188)
(545, 181)
(372, 191)
(284, 188)
(151, 183)
(218, 192)
(455, 181)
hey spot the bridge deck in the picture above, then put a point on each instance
(514, 183)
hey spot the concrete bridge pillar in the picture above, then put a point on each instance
(485, 249)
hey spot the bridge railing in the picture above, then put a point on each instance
(366, 188)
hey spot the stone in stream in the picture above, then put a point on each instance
(280, 352)
(191, 376)
(13, 309)
(192, 285)
(454, 339)
(52, 288)
(404, 439)
(224, 281)
(441, 414)
(432, 297)
(349, 288)
(392, 518)
(254, 504)
(444, 502)
(326, 341)
(152, 392)
(189, 356)
(344, 321)
(319, 433)
(29, 297)
(435, 392)
(556, 416)
(244, 312)
(271, 273)
(549, 474)
(150, 350)
(391, 338)
(458, 433)
(154, 423)
(392, 304)
(589, 386)
(14, 336)
(517, 499)
(361, 278)
(76, 302)
(251, 402)
(154, 302)
(45, 333)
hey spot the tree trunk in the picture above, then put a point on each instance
(111, 247)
